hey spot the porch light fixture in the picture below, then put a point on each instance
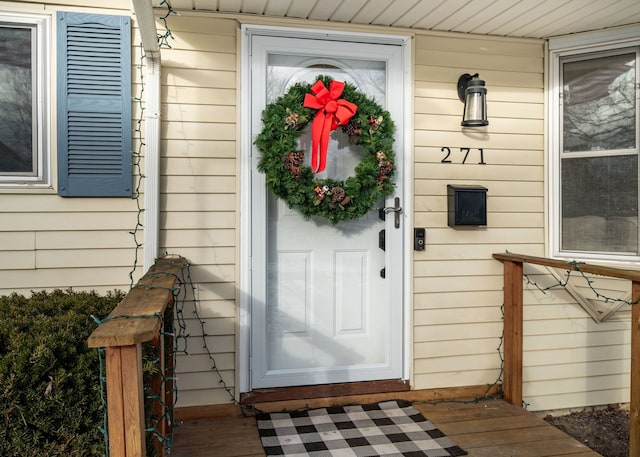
(473, 94)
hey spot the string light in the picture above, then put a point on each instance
(163, 39)
(590, 282)
(137, 169)
(171, 327)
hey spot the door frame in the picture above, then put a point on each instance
(243, 330)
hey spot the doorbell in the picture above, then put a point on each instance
(419, 239)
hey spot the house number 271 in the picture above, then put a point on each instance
(465, 151)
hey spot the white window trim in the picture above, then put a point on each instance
(42, 79)
(575, 45)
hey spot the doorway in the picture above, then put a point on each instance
(326, 302)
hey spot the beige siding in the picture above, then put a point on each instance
(570, 361)
(199, 200)
(457, 286)
(49, 242)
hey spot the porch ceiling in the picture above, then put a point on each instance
(514, 18)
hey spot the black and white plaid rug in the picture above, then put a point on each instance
(391, 428)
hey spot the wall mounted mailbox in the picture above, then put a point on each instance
(467, 205)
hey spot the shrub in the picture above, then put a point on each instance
(50, 402)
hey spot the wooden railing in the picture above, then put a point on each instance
(136, 320)
(513, 304)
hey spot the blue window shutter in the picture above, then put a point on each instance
(94, 105)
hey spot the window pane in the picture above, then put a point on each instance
(16, 101)
(600, 204)
(599, 104)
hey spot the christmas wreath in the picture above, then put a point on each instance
(327, 105)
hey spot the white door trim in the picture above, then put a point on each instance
(243, 352)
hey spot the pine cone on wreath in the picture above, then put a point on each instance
(292, 162)
(280, 163)
(353, 129)
(384, 169)
(296, 158)
(337, 194)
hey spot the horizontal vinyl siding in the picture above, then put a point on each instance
(49, 242)
(198, 195)
(569, 360)
(457, 285)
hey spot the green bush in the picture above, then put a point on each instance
(50, 402)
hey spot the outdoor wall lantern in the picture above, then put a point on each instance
(473, 94)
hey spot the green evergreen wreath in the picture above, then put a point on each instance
(371, 127)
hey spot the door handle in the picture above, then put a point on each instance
(396, 209)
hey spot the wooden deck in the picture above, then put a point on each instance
(492, 428)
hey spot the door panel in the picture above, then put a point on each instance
(321, 310)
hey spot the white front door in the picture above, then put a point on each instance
(326, 300)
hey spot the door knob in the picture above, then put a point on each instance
(396, 209)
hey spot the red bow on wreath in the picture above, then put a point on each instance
(332, 112)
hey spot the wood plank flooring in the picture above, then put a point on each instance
(491, 428)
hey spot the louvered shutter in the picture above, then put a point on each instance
(94, 105)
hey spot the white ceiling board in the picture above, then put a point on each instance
(234, 6)
(501, 20)
(323, 10)
(301, 9)
(463, 15)
(566, 15)
(396, 9)
(208, 5)
(252, 7)
(179, 4)
(621, 17)
(547, 12)
(473, 22)
(516, 18)
(277, 8)
(416, 13)
(444, 11)
(371, 10)
(347, 10)
(580, 20)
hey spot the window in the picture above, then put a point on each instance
(23, 101)
(594, 152)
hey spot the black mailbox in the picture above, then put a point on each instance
(467, 205)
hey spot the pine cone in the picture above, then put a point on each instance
(384, 168)
(297, 158)
(337, 194)
(348, 128)
(354, 130)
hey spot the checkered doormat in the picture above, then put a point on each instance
(391, 428)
